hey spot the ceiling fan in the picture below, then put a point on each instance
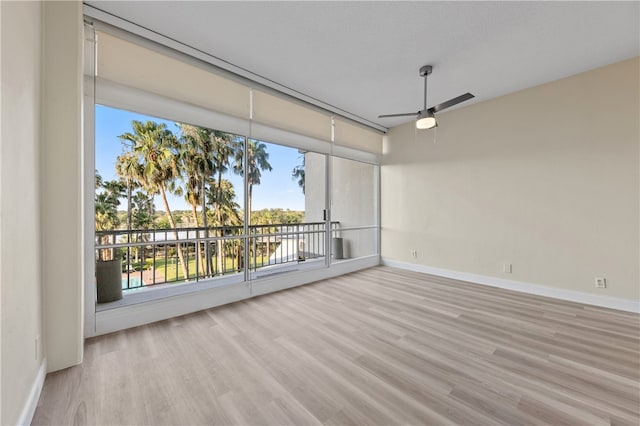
(425, 118)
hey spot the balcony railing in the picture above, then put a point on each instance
(152, 257)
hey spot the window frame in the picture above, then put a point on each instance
(161, 303)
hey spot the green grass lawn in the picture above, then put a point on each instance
(169, 271)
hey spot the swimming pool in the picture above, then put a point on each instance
(134, 282)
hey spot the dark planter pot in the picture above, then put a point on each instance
(109, 280)
(337, 248)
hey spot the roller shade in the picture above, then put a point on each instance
(129, 64)
(354, 136)
(274, 111)
(131, 99)
(139, 76)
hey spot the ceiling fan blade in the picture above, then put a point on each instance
(406, 114)
(451, 102)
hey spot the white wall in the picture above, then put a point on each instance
(40, 187)
(62, 255)
(546, 179)
(20, 261)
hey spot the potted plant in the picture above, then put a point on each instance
(109, 276)
(108, 260)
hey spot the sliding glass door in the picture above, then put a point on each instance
(286, 198)
(354, 211)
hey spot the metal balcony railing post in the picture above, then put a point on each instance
(197, 252)
(255, 257)
(153, 265)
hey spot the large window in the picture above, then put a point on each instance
(170, 205)
(169, 201)
(209, 190)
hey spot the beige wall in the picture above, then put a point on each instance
(62, 184)
(20, 231)
(546, 179)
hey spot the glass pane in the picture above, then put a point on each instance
(353, 204)
(351, 244)
(286, 192)
(168, 201)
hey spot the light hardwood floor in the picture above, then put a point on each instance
(381, 346)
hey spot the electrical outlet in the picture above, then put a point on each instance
(507, 268)
(601, 282)
(414, 254)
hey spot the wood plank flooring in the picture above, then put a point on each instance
(377, 347)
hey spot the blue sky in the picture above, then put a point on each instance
(277, 189)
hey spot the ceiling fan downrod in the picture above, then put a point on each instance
(424, 72)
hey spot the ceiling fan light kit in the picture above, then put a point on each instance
(425, 121)
(425, 118)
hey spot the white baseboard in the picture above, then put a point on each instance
(627, 305)
(29, 409)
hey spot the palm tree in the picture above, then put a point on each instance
(297, 173)
(257, 161)
(106, 209)
(98, 180)
(141, 218)
(224, 147)
(142, 210)
(226, 214)
(197, 167)
(153, 163)
(196, 162)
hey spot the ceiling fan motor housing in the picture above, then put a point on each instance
(425, 70)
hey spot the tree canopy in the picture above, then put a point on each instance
(192, 162)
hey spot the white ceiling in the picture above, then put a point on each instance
(363, 57)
